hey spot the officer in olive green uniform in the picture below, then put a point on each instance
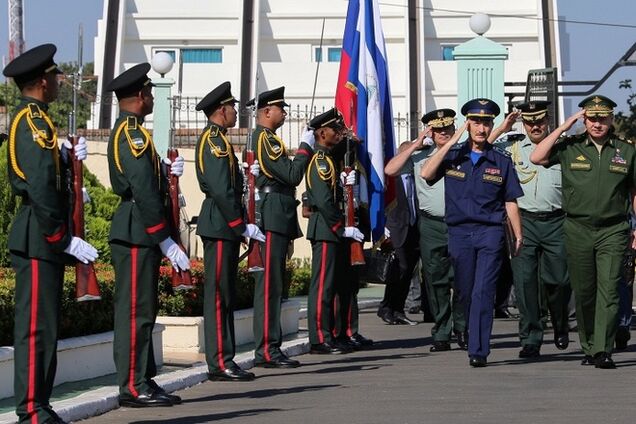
(277, 181)
(436, 265)
(221, 227)
(139, 234)
(325, 231)
(39, 235)
(599, 174)
(539, 267)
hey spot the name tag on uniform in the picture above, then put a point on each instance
(454, 173)
(580, 166)
(494, 179)
(618, 169)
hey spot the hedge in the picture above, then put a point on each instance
(84, 318)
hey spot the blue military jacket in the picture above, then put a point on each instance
(477, 194)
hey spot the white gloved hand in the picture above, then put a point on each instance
(255, 169)
(253, 232)
(354, 233)
(175, 255)
(176, 167)
(83, 251)
(387, 233)
(86, 198)
(80, 150)
(308, 137)
(348, 180)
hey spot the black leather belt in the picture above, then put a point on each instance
(433, 217)
(542, 216)
(287, 191)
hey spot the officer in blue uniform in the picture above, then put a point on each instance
(481, 188)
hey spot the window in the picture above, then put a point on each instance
(333, 54)
(447, 52)
(202, 55)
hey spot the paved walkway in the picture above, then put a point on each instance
(400, 381)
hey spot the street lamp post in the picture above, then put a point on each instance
(162, 119)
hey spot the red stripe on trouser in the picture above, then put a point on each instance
(321, 286)
(349, 313)
(35, 280)
(133, 321)
(268, 243)
(335, 316)
(219, 327)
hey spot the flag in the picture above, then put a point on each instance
(363, 96)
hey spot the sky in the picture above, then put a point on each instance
(589, 51)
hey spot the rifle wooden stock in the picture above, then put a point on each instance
(254, 258)
(86, 286)
(181, 280)
(356, 251)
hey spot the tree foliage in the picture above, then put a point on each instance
(626, 122)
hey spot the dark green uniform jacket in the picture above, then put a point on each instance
(221, 180)
(36, 172)
(279, 175)
(324, 194)
(136, 173)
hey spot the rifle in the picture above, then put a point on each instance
(253, 253)
(356, 251)
(181, 279)
(86, 286)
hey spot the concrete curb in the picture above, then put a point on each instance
(104, 399)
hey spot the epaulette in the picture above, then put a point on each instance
(131, 123)
(34, 111)
(458, 146)
(214, 131)
(630, 142)
(502, 151)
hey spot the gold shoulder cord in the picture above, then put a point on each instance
(516, 158)
(203, 140)
(148, 142)
(220, 153)
(259, 148)
(329, 175)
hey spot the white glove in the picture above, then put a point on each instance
(428, 142)
(82, 250)
(86, 198)
(255, 169)
(308, 137)
(80, 150)
(176, 167)
(387, 233)
(175, 255)
(253, 232)
(354, 233)
(348, 180)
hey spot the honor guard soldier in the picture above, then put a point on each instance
(433, 231)
(539, 269)
(221, 227)
(39, 240)
(139, 235)
(279, 175)
(325, 231)
(599, 178)
(481, 190)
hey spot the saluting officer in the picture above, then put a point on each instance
(325, 231)
(221, 228)
(539, 268)
(481, 189)
(433, 231)
(279, 175)
(599, 177)
(39, 235)
(139, 234)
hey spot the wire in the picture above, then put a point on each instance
(504, 15)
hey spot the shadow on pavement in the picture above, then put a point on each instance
(209, 417)
(258, 394)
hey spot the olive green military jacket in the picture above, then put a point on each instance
(596, 186)
(40, 228)
(220, 178)
(323, 194)
(136, 175)
(279, 175)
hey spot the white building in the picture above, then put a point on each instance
(213, 41)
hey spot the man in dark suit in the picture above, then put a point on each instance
(402, 229)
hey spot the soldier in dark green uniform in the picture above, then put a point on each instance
(326, 232)
(540, 266)
(599, 177)
(277, 181)
(139, 234)
(221, 228)
(39, 235)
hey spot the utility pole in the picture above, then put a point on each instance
(16, 29)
